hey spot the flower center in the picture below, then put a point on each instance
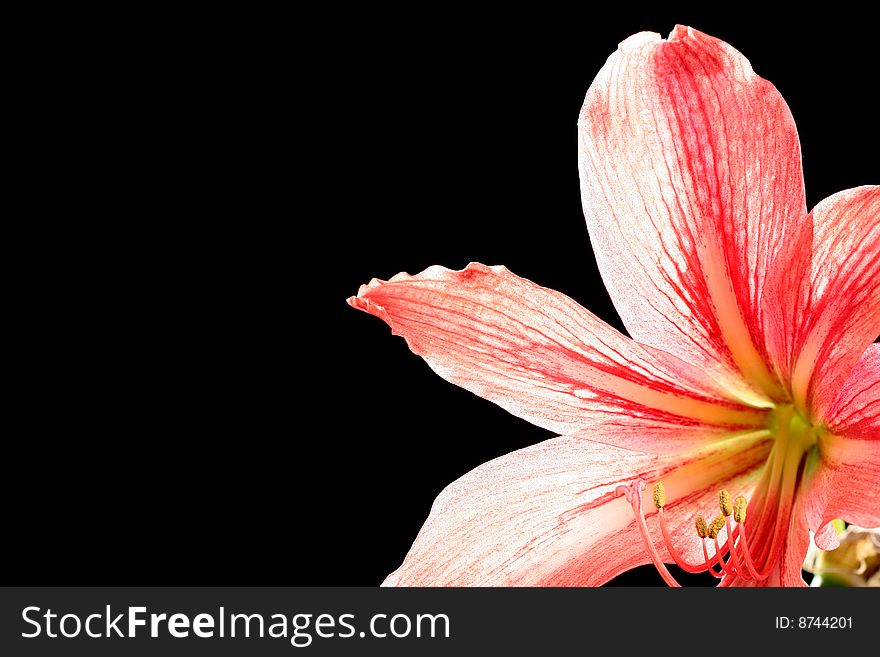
(750, 546)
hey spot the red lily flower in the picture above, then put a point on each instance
(750, 383)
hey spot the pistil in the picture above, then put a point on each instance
(634, 497)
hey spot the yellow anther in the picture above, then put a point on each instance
(659, 495)
(716, 526)
(739, 509)
(700, 524)
(726, 503)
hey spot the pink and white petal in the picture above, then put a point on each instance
(844, 483)
(839, 314)
(546, 359)
(826, 537)
(845, 480)
(791, 561)
(547, 515)
(691, 184)
(855, 413)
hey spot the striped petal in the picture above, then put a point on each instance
(837, 313)
(691, 183)
(547, 515)
(544, 358)
(844, 483)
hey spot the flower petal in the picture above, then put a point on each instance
(791, 561)
(547, 515)
(838, 311)
(826, 537)
(544, 358)
(691, 182)
(855, 413)
(844, 482)
(787, 571)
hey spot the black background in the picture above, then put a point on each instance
(197, 403)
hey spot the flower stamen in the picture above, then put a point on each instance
(659, 495)
(753, 573)
(734, 555)
(676, 556)
(730, 568)
(725, 503)
(739, 509)
(711, 561)
(715, 527)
